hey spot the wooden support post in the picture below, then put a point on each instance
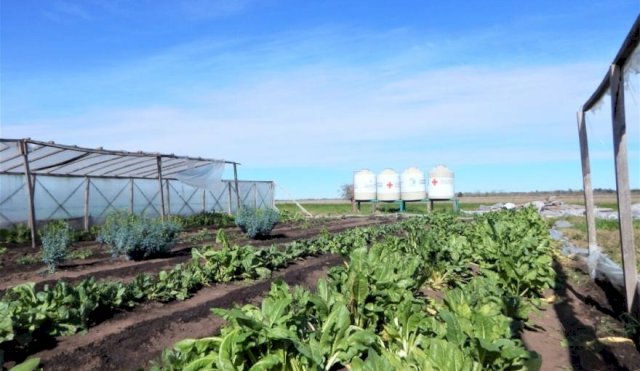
(131, 197)
(166, 183)
(86, 203)
(255, 195)
(24, 150)
(273, 195)
(204, 200)
(235, 180)
(159, 163)
(616, 82)
(230, 198)
(586, 182)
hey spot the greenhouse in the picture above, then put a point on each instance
(41, 181)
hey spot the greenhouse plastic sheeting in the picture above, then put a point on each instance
(63, 197)
(48, 158)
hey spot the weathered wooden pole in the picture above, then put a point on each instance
(586, 182)
(255, 195)
(87, 186)
(273, 195)
(24, 150)
(616, 82)
(168, 195)
(230, 198)
(235, 180)
(131, 197)
(161, 186)
(204, 200)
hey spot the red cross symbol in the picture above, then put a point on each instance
(389, 185)
(434, 182)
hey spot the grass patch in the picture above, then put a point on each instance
(318, 208)
(366, 208)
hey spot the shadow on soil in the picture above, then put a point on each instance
(586, 351)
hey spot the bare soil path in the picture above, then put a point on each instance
(581, 329)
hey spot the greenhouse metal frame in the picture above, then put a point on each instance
(84, 184)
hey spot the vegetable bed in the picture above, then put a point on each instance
(373, 314)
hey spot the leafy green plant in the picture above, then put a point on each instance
(30, 259)
(201, 235)
(138, 237)
(288, 216)
(80, 254)
(56, 237)
(257, 223)
(204, 219)
(18, 233)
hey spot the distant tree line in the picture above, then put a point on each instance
(346, 192)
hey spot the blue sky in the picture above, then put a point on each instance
(306, 92)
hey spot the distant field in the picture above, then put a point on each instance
(342, 207)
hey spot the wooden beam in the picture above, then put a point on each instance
(255, 196)
(24, 150)
(166, 183)
(623, 190)
(273, 195)
(624, 53)
(230, 198)
(86, 203)
(235, 180)
(159, 170)
(586, 182)
(131, 197)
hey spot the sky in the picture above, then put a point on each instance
(304, 93)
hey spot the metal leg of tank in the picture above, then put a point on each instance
(430, 206)
(456, 205)
(402, 206)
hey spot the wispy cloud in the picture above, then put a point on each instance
(325, 117)
(64, 12)
(204, 9)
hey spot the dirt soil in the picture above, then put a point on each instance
(105, 267)
(580, 329)
(130, 340)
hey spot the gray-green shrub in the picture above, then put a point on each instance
(57, 237)
(137, 237)
(257, 223)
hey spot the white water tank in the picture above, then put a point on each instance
(388, 185)
(364, 185)
(441, 183)
(412, 185)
